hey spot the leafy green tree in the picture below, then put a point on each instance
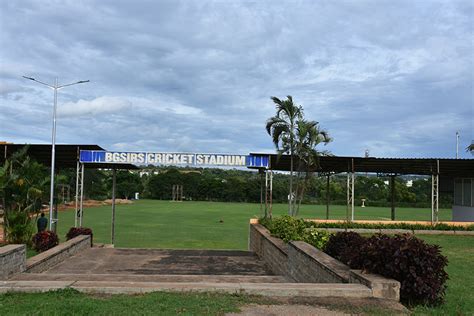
(282, 129)
(127, 184)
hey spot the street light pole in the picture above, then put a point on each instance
(55, 87)
(457, 144)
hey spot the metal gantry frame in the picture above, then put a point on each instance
(435, 195)
(79, 206)
(268, 192)
(350, 192)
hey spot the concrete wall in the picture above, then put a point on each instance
(381, 287)
(306, 264)
(303, 263)
(273, 251)
(53, 256)
(12, 260)
(463, 213)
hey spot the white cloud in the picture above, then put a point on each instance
(101, 105)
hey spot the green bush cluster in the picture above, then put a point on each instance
(289, 228)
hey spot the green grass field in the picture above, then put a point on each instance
(165, 224)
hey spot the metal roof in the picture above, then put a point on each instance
(66, 155)
(415, 166)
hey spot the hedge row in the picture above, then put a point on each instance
(439, 226)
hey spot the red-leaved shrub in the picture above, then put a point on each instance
(418, 267)
(345, 246)
(45, 240)
(77, 231)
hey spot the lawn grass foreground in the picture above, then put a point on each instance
(72, 302)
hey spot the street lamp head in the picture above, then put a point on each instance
(29, 78)
(83, 81)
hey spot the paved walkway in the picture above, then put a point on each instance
(162, 262)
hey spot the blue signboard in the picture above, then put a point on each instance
(187, 159)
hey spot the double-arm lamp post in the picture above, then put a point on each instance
(55, 87)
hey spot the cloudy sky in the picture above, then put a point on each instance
(394, 77)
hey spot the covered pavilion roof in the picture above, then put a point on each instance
(449, 168)
(66, 155)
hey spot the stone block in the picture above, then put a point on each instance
(381, 287)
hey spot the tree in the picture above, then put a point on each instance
(308, 136)
(282, 128)
(470, 148)
(22, 183)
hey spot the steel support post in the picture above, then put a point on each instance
(261, 171)
(76, 208)
(327, 196)
(268, 192)
(392, 197)
(81, 203)
(114, 183)
(350, 196)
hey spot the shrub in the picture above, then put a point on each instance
(19, 227)
(418, 267)
(315, 237)
(77, 231)
(45, 240)
(288, 228)
(345, 246)
(266, 222)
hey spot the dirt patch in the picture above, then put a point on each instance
(322, 306)
(89, 203)
(352, 306)
(300, 310)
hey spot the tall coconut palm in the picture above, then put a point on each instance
(282, 128)
(308, 136)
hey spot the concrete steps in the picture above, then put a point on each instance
(264, 289)
(173, 278)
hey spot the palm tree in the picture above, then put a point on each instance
(308, 136)
(282, 128)
(470, 148)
